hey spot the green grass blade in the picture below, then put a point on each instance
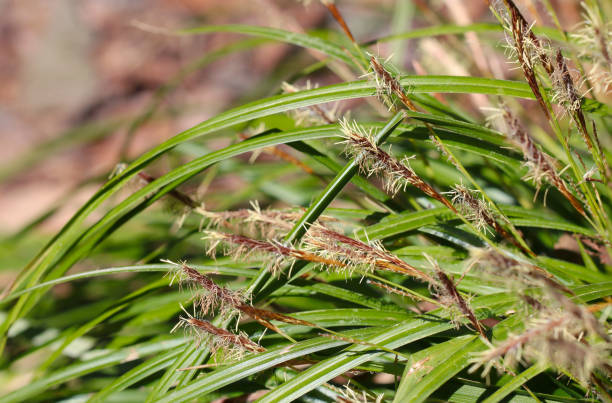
(230, 271)
(455, 359)
(89, 366)
(136, 374)
(425, 361)
(318, 374)
(251, 365)
(404, 222)
(515, 383)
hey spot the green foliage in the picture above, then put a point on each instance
(455, 296)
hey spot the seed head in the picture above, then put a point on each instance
(593, 39)
(325, 247)
(207, 295)
(347, 394)
(355, 253)
(240, 247)
(562, 338)
(372, 160)
(475, 209)
(564, 91)
(258, 222)
(510, 272)
(233, 346)
(388, 85)
(539, 164)
(528, 49)
(449, 295)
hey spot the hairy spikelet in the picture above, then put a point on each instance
(347, 394)
(564, 90)
(475, 209)
(240, 247)
(263, 315)
(397, 175)
(207, 295)
(450, 296)
(529, 50)
(567, 337)
(510, 272)
(231, 346)
(480, 214)
(258, 222)
(540, 165)
(353, 252)
(324, 247)
(388, 85)
(593, 38)
(565, 93)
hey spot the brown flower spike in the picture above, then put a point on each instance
(540, 164)
(397, 175)
(233, 345)
(448, 291)
(479, 213)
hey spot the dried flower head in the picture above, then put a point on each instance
(479, 212)
(241, 247)
(207, 295)
(568, 339)
(323, 246)
(372, 160)
(528, 49)
(564, 91)
(504, 269)
(593, 38)
(540, 164)
(387, 84)
(232, 346)
(264, 316)
(276, 253)
(474, 208)
(355, 253)
(347, 394)
(264, 223)
(449, 295)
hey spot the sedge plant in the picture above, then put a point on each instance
(389, 241)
